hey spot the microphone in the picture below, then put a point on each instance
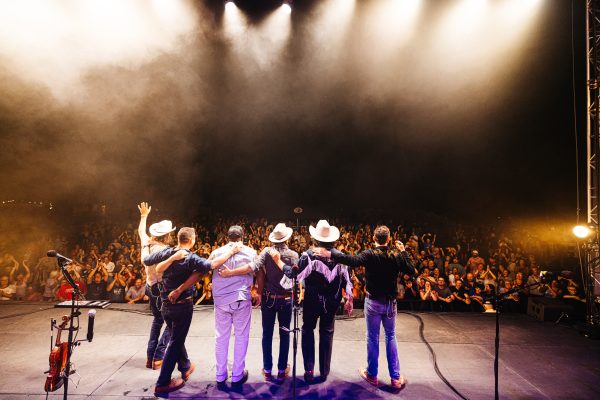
(53, 253)
(91, 317)
(294, 270)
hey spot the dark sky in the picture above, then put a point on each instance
(466, 118)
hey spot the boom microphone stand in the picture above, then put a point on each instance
(497, 301)
(295, 329)
(74, 313)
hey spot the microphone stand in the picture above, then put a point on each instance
(74, 313)
(497, 301)
(295, 310)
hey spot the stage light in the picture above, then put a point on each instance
(287, 6)
(390, 23)
(230, 5)
(581, 231)
(234, 21)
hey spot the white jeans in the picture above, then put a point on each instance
(238, 315)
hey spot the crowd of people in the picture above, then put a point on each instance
(460, 274)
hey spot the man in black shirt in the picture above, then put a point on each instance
(382, 267)
(445, 297)
(177, 264)
(97, 287)
(324, 280)
(461, 296)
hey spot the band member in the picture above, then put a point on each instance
(233, 308)
(323, 283)
(382, 267)
(275, 301)
(177, 264)
(160, 236)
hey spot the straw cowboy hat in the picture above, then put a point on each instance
(161, 228)
(324, 232)
(280, 233)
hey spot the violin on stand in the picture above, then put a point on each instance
(58, 358)
(60, 355)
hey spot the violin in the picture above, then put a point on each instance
(58, 360)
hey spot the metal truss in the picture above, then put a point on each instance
(592, 275)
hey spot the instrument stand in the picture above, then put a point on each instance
(74, 314)
(295, 329)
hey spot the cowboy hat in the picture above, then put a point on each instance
(280, 233)
(161, 228)
(324, 232)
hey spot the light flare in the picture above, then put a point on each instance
(55, 42)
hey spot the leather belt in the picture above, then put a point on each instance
(182, 301)
(280, 296)
(382, 299)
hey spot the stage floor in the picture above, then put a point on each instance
(538, 360)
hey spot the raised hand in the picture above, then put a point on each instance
(144, 209)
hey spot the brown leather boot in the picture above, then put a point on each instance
(174, 385)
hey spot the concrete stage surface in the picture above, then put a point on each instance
(538, 360)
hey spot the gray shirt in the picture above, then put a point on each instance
(273, 274)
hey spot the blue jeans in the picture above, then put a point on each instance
(282, 310)
(156, 343)
(178, 318)
(377, 313)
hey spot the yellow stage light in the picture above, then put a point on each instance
(581, 231)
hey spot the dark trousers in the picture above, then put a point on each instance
(178, 318)
(280, 309)
(324, 311)
(156, 343)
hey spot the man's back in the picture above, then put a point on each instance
(179, 271)
(381, 269)
(229, 290)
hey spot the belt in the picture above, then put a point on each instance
(182, 301)
(280, 296)
(383, 299)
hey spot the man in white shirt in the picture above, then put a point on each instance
(233, 308)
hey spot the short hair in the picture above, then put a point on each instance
(382, 234)
(235, 233)
(186, 234)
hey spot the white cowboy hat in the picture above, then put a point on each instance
(324, 232)
(280, 233)
(161, 228)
